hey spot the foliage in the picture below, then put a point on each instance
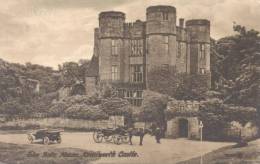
(57, 109)
(42, 104)
(83, 111)
(216, 117)
(73, 72)
(116, 106)
(181, 86)
(152, 109)
(237, 67)
(15, 108)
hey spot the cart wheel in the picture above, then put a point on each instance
(30, 138)
(46, 141)
(125, 139)
(59, 140)
(108, 138)
(97, 136)
(117, 139)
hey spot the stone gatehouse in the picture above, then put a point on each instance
(182, 119)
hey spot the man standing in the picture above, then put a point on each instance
(157, 134)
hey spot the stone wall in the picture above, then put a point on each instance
(113, 121)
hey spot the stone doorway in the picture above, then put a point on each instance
(183, 128)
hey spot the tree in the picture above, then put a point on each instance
(238, 76)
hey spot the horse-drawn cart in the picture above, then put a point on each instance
(115, 135)
(46, 135)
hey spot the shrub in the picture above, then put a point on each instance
(152, 109)
(57, 109)
(82, 111)
(217, 116)
(116, 106)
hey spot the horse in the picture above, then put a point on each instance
(140, 132)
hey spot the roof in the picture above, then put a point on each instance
(93, 69)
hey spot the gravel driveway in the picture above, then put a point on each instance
(169, 151)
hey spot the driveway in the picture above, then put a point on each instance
(169, 151)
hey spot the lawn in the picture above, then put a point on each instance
(231, 155)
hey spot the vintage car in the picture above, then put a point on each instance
(46, 135)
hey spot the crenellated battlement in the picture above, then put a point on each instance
(112, 14)
(161, 8)
(202, 22)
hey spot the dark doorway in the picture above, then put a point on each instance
(78, 89)
(183, 127)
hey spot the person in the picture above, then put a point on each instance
(157, 134)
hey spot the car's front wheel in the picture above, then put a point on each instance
(30, 138)
(46, 140)
(59, 140)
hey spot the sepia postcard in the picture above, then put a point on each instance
(129, 82)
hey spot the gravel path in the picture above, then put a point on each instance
(169, 151)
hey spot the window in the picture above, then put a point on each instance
(147, 44)
(165, 67)
(135, 97)
(115, 47)
(166, 44)
(202, 71)
(202, 51)
(137, 47)
(165, 15)
(136, 72)
(179, 49)
(114, 73)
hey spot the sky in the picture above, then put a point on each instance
(50, 32)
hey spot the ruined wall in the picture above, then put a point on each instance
(91, 85)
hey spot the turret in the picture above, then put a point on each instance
(199, 33)
(111, 33)
(161, 20)
(111, 24)
(161, 36)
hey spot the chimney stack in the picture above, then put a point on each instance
(181, 22)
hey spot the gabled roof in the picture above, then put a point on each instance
(93, 69)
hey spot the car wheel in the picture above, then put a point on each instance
(97, 136)
(117, 139)
(59, 140)
(30, 138)
(46, 141)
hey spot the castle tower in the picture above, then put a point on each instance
(160, 36)
(199, 33)
(111, 33)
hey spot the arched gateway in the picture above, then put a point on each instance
(182, 119)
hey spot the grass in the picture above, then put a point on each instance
(230, 155)
(26, 154)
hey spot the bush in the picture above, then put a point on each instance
(57, 109)
(15, 108)
(153, 108)
(217, 116)
(116, 106)
(82, 111)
